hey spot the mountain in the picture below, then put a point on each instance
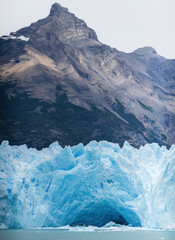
(58, 82)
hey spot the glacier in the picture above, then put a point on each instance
(87, 185)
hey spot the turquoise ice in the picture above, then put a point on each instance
(87, 185)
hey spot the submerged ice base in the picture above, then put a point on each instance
(87, 185)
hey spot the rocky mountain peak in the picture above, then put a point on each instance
(60, 26)
(68, 26)
(56, 7)
(145, 51)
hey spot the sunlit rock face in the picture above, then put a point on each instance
(87, 185)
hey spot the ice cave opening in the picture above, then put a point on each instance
(99, 214)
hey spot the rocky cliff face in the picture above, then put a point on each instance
(59, 83)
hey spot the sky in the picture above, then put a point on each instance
(123, 24)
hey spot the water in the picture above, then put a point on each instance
(85, 235)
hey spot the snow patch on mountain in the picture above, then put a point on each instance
(23, 38)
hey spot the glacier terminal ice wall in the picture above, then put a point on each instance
(87, 185)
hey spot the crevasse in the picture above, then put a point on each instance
(87, 185)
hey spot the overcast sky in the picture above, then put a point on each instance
(123, 24)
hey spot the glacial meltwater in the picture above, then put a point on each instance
(85, 235)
